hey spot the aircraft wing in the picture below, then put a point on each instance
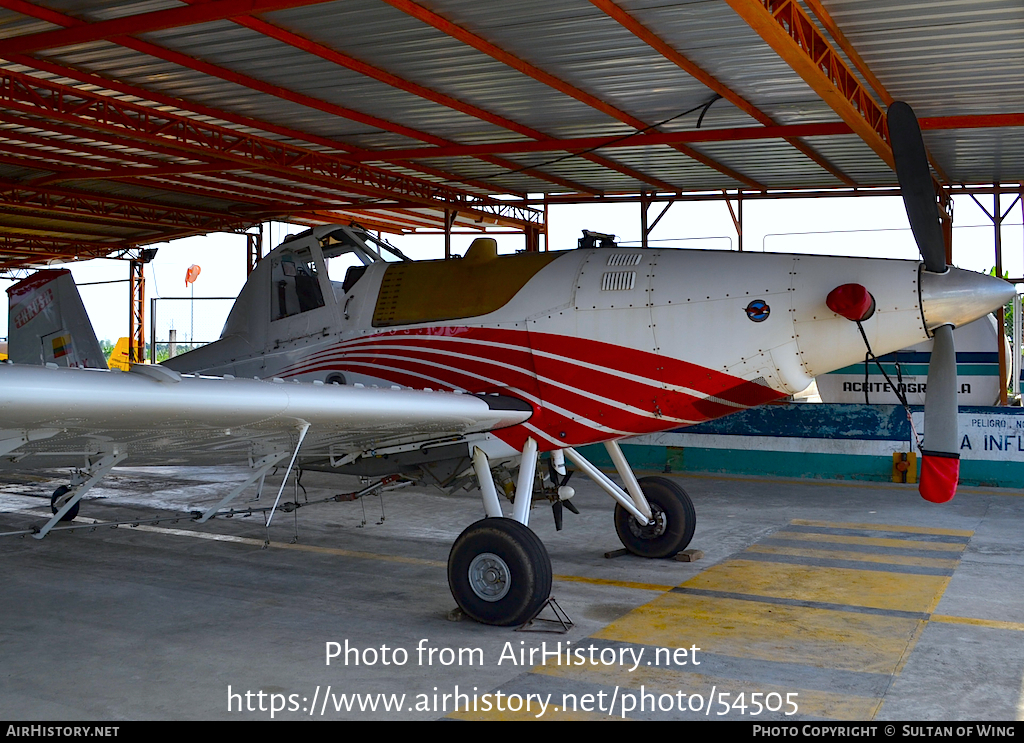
(59, 417)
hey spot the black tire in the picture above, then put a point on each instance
(499, 572)
(58, 493)
(674, 515)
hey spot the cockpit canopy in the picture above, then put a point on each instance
(303, 274)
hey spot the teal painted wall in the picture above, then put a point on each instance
(805, 421)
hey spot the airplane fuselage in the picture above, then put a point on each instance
(604, 343)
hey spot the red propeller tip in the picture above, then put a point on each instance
(940, 473)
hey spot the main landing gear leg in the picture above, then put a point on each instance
(498, 570)
(65, 499)
(655, 518)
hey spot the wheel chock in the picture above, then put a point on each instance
(689, 555)
(561, 624)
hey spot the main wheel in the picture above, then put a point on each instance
(57, 495)
(499, 572)
(674, 520)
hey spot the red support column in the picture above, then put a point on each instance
(946, 215)
(254, 243)
(532, 239)
(449, 221)
(997, 221)
(544, 229)
(136, 311)
(737, 217)
(645, 204)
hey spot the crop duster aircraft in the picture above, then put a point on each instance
(462, 372)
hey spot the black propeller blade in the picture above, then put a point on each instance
(916, 185)
(940, 457)
(556, 507)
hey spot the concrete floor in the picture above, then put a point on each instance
(852, 601)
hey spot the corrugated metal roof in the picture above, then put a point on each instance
(463, 72)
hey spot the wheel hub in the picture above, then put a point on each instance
(652, 531)
(489, 577)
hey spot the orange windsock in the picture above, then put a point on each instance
(192, 273)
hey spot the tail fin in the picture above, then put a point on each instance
(119, 356)
(47, 323)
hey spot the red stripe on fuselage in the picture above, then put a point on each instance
(467, 358)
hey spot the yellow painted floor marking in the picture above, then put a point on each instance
(885, 527)
(749, 629)
(911, 644)
(875, 589)
(658, 681)
(992, 623)
(938, 594)
(909, 543)
(924, 562)
(810, 635)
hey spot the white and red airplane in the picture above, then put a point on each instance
(463, 371)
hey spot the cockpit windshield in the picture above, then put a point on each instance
(347, 250)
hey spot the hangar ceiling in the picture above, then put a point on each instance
(128, 123)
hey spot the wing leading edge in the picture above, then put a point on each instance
(157, 416)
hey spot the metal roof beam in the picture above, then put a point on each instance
(258, 189)
(635, 140)
(254, 84)
(15, 250)
(505, 57)
(130, 172)
(53, 146)
(351, 63)
(266, 202)
(91, 78)
(27, 223)
(787, 29)
(411, 220)
(643, 33)
(53, 162)
(140, 23)
(371, 224)
(222, 190)
(263, 87)
(84, 128)
(787, 131)
(201, 140)
(862, 67)
(840, 38)
(972, 121)
(97, 206)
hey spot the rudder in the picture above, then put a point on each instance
(47, 323)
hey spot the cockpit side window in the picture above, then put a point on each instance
(295, 287)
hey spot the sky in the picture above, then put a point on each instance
(861, 226)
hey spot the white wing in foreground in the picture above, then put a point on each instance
(157, 416)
